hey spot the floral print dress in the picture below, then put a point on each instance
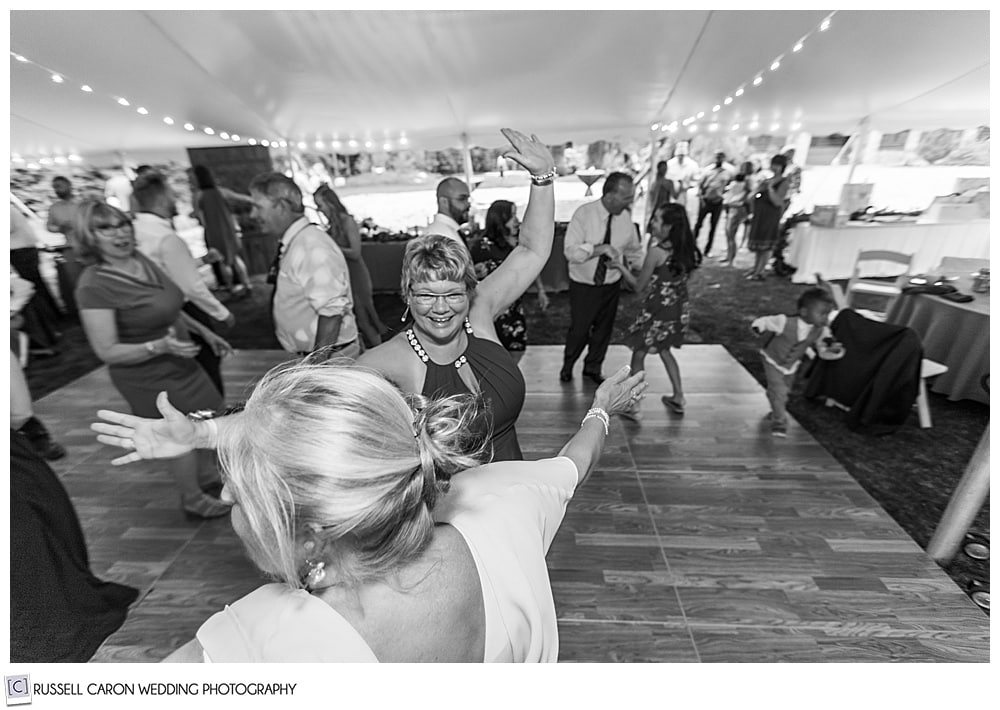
(511, 325)
(664, 317)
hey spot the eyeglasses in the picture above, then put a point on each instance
(114, 228)
(429, 299)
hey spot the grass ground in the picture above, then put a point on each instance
(912, 473)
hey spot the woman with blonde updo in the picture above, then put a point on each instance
(344, 491)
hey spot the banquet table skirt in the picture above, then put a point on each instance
(833, 252)
(385, 263)
(954, 334)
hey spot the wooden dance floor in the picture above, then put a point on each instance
(699, 538)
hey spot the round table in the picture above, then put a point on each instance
(954, 334)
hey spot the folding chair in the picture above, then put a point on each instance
(891, 290)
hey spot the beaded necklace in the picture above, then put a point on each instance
(422, 354)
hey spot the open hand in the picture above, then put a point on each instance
(165, 438)
(621, 391)
(220, 346)
(528, 152)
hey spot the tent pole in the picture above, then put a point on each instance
(859, 144)
(965, 502)
(652, 175)
(467, 161)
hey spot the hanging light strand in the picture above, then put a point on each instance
(61, 78)
(756, 80)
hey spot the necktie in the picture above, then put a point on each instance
(602, 261)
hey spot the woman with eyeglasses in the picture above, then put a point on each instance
(451, 346)
(131, 313)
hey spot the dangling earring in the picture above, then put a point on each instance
(406, 314)
(468, 326)
(315, 569)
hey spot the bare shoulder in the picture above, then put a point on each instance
(394, 359)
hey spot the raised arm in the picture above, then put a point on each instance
(510, 280)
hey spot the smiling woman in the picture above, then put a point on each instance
(451, 346)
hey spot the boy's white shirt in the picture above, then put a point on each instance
(777, 323)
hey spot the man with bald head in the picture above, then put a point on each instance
(453, 209)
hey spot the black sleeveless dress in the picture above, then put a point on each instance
(502, 390)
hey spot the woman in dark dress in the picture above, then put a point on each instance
(131, 313)
(220, 233)
(344, 230)
(497, 241)
(768, 207)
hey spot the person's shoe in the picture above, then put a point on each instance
(595, 377)
(565, 375)
(673, 405)
(201, 507)
(779, 429)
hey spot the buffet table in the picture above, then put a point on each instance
(833, 251)
(954, 334)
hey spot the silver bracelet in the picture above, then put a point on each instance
(544, 179)
(600, 415)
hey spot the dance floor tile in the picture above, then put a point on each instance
(697, 538)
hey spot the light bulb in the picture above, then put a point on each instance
(775, 65)
(729, 100)
(86, 88)
(224, 136)
(167, 120)
(302, 145)
(188, 127)
(739, 92)
(141, 111)
(797, 47)
(57, 78)
(758, 81)
(123, 102)
(715, 109)
(208, 131)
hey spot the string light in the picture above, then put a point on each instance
(223, 135)
(235, 137)
(759, 78)
(735, 127)
(266, 143)
(655, 127)
(252, 141)
(60, 78)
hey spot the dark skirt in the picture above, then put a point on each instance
(59, 611)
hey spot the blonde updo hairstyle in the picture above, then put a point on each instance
(339, 456)
(434, 257)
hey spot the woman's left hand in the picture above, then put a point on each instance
(543, 300)
(528, 152)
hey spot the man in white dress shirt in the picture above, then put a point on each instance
(312, 303)
(600, 233)
(155, 207)
(683, 171)
(453, 209)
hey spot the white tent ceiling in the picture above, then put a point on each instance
(431, 76)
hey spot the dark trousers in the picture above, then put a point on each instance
(41, 313)
(708, 208)
(209, 361)
(592, 318)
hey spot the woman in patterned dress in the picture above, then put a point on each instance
(660, 326)
(498, 239)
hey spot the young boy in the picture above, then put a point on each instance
(791, 337)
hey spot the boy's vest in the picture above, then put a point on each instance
(784, 349)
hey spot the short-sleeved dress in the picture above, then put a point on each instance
(144, 310)
(511, 325)
(766, 219)
(502, 390)
(664, 317)
(508, 514)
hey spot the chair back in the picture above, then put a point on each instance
(895, 257)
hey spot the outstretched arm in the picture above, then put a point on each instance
(510, 280)
(166, 438)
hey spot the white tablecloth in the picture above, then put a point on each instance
(832, 252)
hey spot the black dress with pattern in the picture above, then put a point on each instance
(511, 325)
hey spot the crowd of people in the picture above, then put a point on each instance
(428, 496)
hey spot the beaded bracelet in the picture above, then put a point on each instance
(600, 415)
(544, 179)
